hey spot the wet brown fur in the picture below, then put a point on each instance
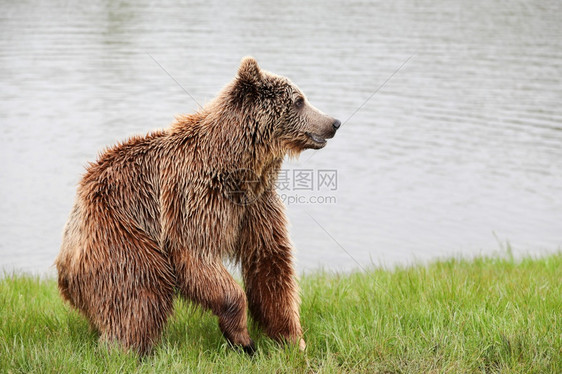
(156, 214)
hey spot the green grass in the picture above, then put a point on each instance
(484, 315)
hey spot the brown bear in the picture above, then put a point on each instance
(156, 215)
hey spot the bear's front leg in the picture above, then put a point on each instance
(207, 282)
(267, 266)
(196, 258)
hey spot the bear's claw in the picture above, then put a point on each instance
(249, 349)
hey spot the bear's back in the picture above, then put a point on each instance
(125, 182)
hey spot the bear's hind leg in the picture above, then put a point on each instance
(127, 289)
(136, 322)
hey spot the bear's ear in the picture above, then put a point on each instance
(249, 70)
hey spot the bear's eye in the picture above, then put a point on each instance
(299, 103)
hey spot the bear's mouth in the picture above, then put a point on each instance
(318, 139)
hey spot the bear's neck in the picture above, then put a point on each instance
(224, 145)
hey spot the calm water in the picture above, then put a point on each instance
(460, 151)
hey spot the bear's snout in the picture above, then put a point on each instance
(330, 128)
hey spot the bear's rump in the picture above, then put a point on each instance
(102, 262)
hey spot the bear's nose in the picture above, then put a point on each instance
(336, 124)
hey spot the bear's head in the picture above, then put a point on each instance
(277, 112)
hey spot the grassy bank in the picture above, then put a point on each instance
(484, 315)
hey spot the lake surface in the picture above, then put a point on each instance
(459, 152)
